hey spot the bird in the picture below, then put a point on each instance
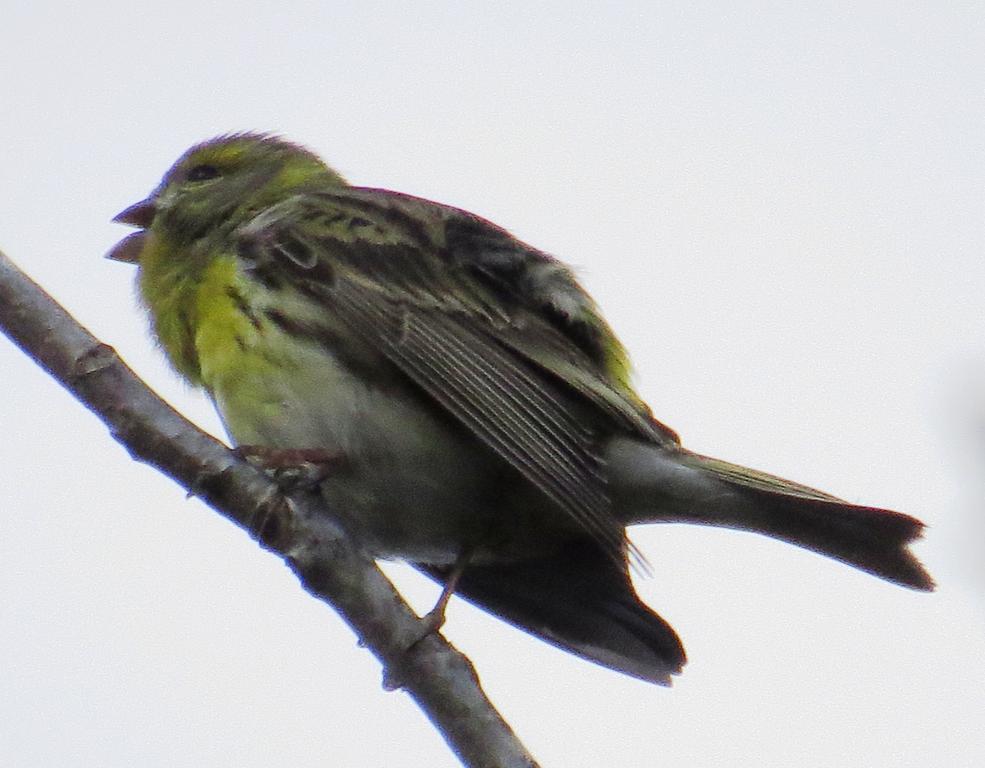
(472, 407)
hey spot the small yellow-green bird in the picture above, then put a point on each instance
(479, 405)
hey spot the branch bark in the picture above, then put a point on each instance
(296, 526)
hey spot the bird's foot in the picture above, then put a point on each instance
(292, 468)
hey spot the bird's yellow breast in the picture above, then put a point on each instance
(204, 315)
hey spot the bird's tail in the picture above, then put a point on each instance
(658, 485)
(579, 600)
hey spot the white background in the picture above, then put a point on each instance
(779, 207)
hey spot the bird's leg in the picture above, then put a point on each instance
(292, 468)
(435, 618)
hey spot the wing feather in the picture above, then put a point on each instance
(473, 335)
(512, 412)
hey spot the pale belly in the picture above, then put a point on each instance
(411, 484)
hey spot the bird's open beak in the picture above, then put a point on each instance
(137, 215)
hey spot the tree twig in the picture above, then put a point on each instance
(296, 526)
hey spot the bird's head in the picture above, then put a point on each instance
(220, 182)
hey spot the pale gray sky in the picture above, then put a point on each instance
(780, 209)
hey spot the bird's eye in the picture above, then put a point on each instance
(202, 172)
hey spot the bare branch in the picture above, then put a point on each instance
(440, 679)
